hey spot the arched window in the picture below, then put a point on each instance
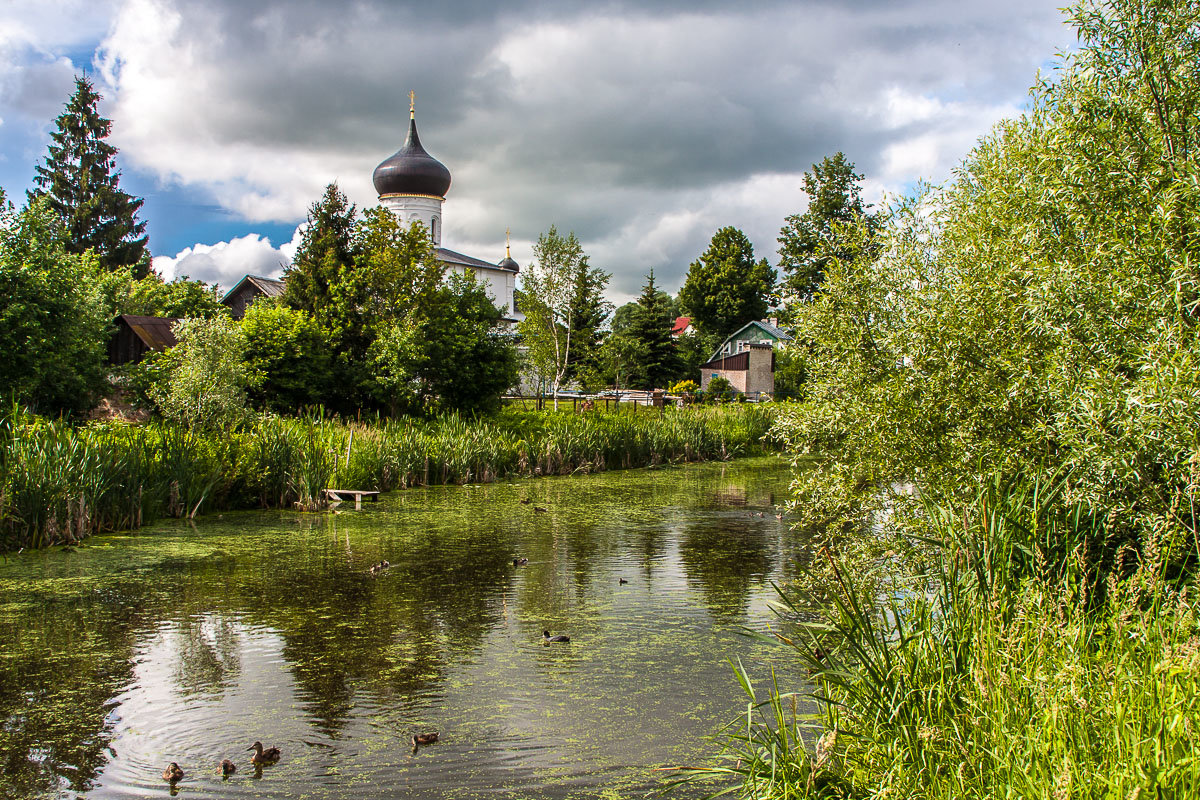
(433, 230)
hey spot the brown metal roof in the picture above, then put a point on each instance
(155, 332)
(737, 361)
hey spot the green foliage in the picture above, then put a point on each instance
(999, 671)
(589, 313)
(726, 287)
(61, 483)
(1037, 314)
(204, 382)
(53, 323)
(326, 251)
(694, 349)
(550, 287)
(808, 241)
(287, 358)
(448, 355)
(621, 357)
(151, 296)
(651, 329)
(791, 371)
(81, 187)
(720, 390)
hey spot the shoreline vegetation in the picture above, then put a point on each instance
(62, 483)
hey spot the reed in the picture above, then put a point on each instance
(59, 483)
(1007, 670)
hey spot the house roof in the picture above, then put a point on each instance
(740, 335)
(154, 332)
(269, 287)
(681, 325)
(453, 257)
(737, 361)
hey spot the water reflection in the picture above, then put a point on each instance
(187, 645)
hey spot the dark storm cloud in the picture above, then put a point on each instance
(606, 118)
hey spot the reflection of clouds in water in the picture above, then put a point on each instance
(206, 650)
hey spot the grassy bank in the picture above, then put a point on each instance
(61, 482)
(1010, 668)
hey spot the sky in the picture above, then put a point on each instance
(642, 127)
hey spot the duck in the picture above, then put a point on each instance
(424, 738)
(173, 773)
(520, 562)
(228, 767)
(525, 501)
(541, 510)
(547, 638)
(261, 756)
(622, 582)
(380, 567)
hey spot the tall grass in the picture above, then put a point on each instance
(59, 483)
(1011, 669)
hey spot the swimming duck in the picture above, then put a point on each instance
(424, 738)
(622, 581)
(519, 562)
(173, 773)
(261, 756)
(380, 567)
(541, 510)
(228, 767)
(547, 638)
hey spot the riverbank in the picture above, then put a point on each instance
(60, 483)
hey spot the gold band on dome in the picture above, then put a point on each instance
(405, 194)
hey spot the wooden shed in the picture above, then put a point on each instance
(249, 289)
(135, 336)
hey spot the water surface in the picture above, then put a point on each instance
(188, 642)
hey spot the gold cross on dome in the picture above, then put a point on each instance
(508, 242)
(412, 103)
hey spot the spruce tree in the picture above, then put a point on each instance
(326, 251)
(589, 312)
(651, 326)
(80, 182)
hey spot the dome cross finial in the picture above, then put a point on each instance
(508, 242)
(412, 104)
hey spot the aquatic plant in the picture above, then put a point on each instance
(59, 483)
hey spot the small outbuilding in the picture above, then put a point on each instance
(249, 289)
(135, 336)
(751, 371)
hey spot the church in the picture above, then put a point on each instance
(412, 185)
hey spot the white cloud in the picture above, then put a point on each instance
(225, 263)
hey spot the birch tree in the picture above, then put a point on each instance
(547, 293)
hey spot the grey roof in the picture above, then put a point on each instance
(269, 287)
(452, 257)
(774, 331)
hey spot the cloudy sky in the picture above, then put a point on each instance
(641, 127)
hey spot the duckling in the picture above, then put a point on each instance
(622, 582)
(542, 510)
(261, 756)
(525, 501)
(547, 638)
(173, 773)
(228, 768)
(520, 562)
(421, 739)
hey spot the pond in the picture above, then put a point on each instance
(189, 642)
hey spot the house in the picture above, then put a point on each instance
(747, 358)
(135, 336)
(682, 327)
(750, 371)
(759, 330)
(249, 289)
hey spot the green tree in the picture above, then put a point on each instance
(53, 322)
(548, 292)
(620, 358)
(651, 328)
(151, 296)
(450, 354)
(204, 378)
(80, 182)
(288, 360)
(1039, 313)
(395, 270)
(807, 241)
(726, 287)
(589, 313)
(326, 251)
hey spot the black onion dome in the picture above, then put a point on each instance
(509, 263)
(411, 170)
